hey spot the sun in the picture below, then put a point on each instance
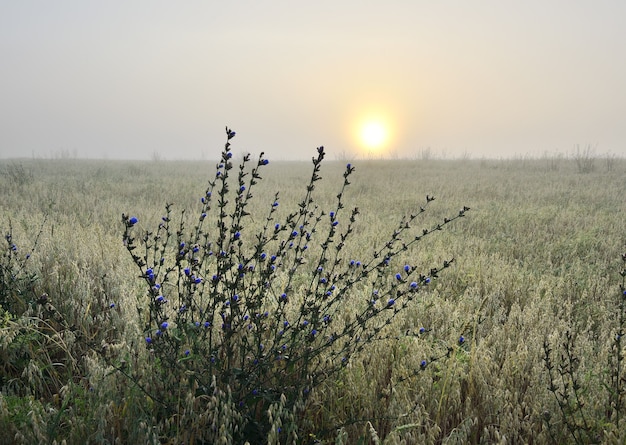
(373, 134)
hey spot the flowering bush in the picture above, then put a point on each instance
(242, 325)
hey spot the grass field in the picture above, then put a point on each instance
(536, 276)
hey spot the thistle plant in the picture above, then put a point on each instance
(248, 319)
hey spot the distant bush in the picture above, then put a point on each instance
(243, 324)
(17, 174)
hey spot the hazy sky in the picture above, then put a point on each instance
(128, 79)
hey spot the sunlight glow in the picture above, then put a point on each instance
(372, 133)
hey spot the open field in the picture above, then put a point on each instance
(538, 256)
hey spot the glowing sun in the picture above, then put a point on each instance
(373, 134)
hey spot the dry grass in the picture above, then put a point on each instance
(538, 256)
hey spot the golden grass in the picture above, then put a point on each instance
(537, 256)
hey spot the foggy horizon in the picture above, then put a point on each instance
(144, 80)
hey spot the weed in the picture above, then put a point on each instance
(262, 319)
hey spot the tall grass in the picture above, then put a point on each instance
(520, 341)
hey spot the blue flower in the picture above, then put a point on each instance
(275, 204)
(187, 271)
(413, 285)
(197, 280)
(164, 325)
(294, 233)
(461, 340)
(283, 296)
(391, 302)
(313, 332)
(187, 352)
(348, 166)
(427, 280)
(423, 364)
(133, 220)
(207, 324)
(305, 322)
(398, 277)
(265, 162)
(242, 189)
(422, 330)
(335, 223)
(237, 235)
(112, 305)
(407, 268)
(285, 323)
(332, 215)
(148, 340)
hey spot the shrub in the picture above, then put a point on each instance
(242, 324)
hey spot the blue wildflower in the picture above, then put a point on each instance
(461, 340)
(413, 285)
(391, 302)
(407, 268)
(423, 364)
(148, 340)
(164, 325)
(398, 277)
(187, 271)
(133, 220)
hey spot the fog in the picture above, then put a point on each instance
(155, 79)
